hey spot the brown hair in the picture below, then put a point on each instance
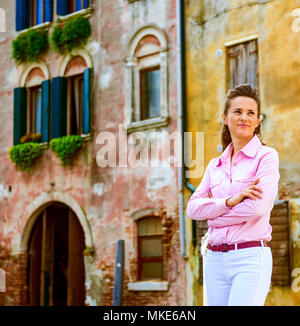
(240, 90)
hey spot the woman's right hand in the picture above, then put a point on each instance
(251, 192)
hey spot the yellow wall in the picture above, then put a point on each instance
(209, 26)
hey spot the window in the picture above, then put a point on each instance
(36, 12)
(32, 106)
(33, 12)
(65, 7)
(34, 113)
(243, 64)
(75, 104)
(150, 93)
(70, 98)
(146, 80)
(150, 249)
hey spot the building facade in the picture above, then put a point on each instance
(106, 73)
(256, 42)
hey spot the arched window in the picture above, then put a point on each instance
(34, 91)
(146, 80)
(71, 97)
(75, 76)
(31, 106)
(150, 248)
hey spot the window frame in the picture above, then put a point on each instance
(140, 259)
(246, 43)
(132, 80)
(70, 79)
(33, 13)
(31, 112)
(141, 72)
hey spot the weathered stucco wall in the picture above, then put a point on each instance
(209, 26)
(107, 196)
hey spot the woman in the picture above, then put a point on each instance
(235, 196)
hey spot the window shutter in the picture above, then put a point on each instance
(86, 3)
(76, 288)
(202, 229)
(20, 101)
(280, 244)
(59, 107)
(86, 101)
(62, 7)
(243, 64)
(45, 110)
(22, 14)
(48, 10)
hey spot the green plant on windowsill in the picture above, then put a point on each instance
(65, 147)
(70, 35)
(24, 155)
(30, 45)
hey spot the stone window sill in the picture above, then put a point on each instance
(87, 12)
(148, 286)
(45, 25)
(85, 137)
(147, 124)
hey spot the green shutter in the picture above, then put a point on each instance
(86, 101)
(45, 110)
(59, 107)
(20, 106)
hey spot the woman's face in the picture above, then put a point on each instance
(242, 117)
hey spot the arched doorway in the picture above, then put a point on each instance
(55, 258)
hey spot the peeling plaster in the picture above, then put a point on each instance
(160, 177)
(105, 78)
(98, 189)
(94, 282)
(4, 192)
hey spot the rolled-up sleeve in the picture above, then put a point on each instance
(200, 207)
(249, 209)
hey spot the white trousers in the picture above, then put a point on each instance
(238, 277)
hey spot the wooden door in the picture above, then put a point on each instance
(76, 287)
(56, 267)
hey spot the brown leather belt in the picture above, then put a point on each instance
(226, 247)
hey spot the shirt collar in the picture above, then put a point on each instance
(250, 149)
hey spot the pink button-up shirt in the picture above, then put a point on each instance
(248, 220)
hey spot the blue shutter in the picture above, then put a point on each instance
(62, 7)
(86, 101)
(45, 110)
(22, 14)
(86, 3)
(78, 5)
(20, 106)
(48, 10)
(59, 107)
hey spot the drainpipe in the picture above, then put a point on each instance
(181, 125)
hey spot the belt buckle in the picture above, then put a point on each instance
(224, 247)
